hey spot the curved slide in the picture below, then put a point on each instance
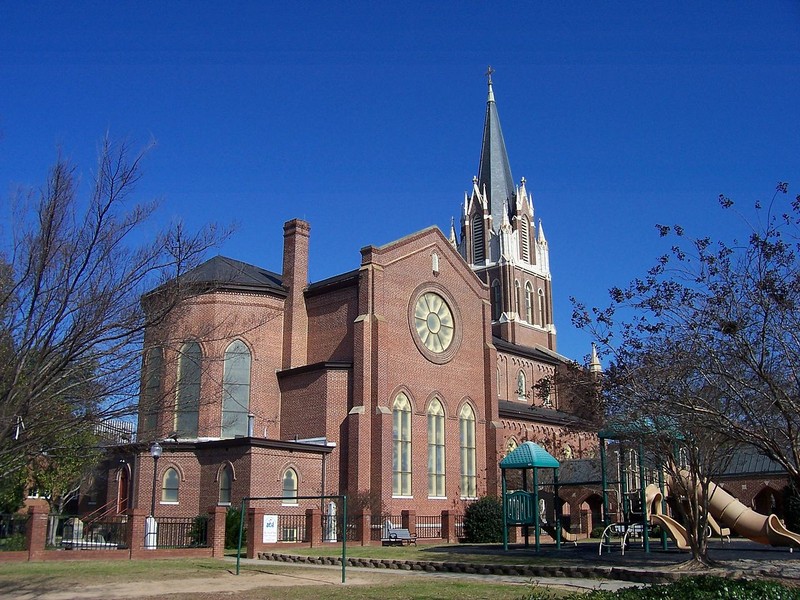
(729, 512)
(764, 529)
(674, 529)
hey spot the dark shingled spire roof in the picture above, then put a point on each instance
(494, 170)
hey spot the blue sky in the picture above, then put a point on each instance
(366, 120)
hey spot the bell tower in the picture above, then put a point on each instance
(503, 244)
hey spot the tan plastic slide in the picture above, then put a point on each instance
(729, 512)
(674, 529)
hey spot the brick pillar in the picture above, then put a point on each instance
(364, 527)
(255, 527)
(136, 525)
(409, 518)
(36, 531)
(216, 530)
(314, 526)
(449, 526)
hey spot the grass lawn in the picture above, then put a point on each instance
(43, 578)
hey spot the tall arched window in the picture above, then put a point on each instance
(529, 303)
(170, 482)
(478, 246)
(497, 301)
(401, 446)
(521, 385)
(235, 390)
(517, 297)
(225, 484)
(541, 316)
(154, 367)
(524, 236)
(187, 402)
(436, 458)
(469, 475)
(290, 487)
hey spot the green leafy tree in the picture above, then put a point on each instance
(483, 520)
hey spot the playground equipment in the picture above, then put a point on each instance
(521, 507)
(726, 513)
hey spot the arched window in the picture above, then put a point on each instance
(225, 484)
(469, 475)
(524, 236)
(154, 367)
(541, 315)
(521, 385)
(497, 301)
(529, 303)
(290, 487)
(188, 392)
(517, 298)
(235, 390)
(478, 247)
(436, 455)
(170, 482)
(498, 381)
(401, 446)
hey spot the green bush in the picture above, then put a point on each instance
(688, 588)
(483, 521)
(597, 532)
(15, 542)
(791, 503)
(232, 520)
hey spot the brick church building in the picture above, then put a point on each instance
(407, 378)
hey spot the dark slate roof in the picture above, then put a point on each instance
(749, 460)
(538, 414)
(535, 352)
(527, 455)
(222, 272)
(494, 170)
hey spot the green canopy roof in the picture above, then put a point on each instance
(528, 455)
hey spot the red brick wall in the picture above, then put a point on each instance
(330, 325)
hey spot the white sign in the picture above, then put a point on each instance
(270, 529)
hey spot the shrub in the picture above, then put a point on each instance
(687, 588)
(792, 507)
(233, 518)
(597, 532)
(483, 520)
(15, 542)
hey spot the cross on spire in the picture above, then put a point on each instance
(488, 74)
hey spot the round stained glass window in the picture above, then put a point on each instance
(434, 323)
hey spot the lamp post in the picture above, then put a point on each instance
(151, 527)
(155, 452)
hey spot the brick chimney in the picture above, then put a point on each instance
(295, 279)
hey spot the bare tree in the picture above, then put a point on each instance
(72, 324)
(709, 338)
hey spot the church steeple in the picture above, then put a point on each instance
(500, 241)
(494, 170)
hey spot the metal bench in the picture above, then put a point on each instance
(399, 537)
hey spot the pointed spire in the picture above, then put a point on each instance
(452, 239)
(540, 233)
(494, 170)
(594, 363)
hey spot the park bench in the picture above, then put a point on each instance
(399, 537)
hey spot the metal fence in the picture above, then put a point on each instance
(182, 532)
(332, 528)
(71, 533)
(378, 523)
(12, 531)
(459, 526)
(429, 528)
(292, 528)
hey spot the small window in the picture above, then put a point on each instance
(290, 487)
(497, 301)
(169, 486)
(528, 303)
(225, 484)
(521, 386)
